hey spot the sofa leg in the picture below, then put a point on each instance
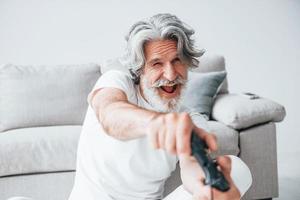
(258, 151)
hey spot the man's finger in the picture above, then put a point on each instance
(161, 138)
(210, 139)
(225, 164)
(154, 140)
(183, 140)
(170, 142)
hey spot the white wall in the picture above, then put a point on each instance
(260, 40)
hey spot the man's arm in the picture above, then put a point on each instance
(119, 118)
(124, 121)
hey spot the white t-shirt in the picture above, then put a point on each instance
(108, 168)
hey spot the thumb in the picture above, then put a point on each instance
(202, 192)
(225, 164)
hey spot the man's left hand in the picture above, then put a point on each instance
(193, 177)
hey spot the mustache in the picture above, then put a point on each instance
(164, 82)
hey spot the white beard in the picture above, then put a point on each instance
(160, 104)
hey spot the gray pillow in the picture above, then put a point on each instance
(201, 90)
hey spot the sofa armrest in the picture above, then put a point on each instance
(239, 112)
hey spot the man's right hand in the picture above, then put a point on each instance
(172, 132)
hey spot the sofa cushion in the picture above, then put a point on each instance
(240, 112)
(227, 138)
(39, 149)
(45, 186)
(44, 95)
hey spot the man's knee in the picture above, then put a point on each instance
(241, 174)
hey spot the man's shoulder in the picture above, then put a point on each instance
(114, 73)
(120, 80)
(117, 76)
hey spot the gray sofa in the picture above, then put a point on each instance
(42, 109)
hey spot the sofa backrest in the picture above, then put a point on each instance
(33, 96)
(208, 63)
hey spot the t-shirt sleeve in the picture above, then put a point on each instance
(200, 121)
(113, 79)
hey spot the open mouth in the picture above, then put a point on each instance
(169, 89)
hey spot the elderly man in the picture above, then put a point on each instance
(135, 130)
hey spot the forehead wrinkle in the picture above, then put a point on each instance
(160, 49)
(164, 48)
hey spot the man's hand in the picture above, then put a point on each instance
(172, 132)
(193, 180)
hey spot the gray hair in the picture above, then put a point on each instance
(160, 26)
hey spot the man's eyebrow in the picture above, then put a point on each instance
(158, 59)
(153, 60)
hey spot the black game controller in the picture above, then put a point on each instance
(213, 176)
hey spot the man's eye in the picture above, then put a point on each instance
(157, 64)
(177, 60)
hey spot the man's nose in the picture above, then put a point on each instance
(170, 72)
